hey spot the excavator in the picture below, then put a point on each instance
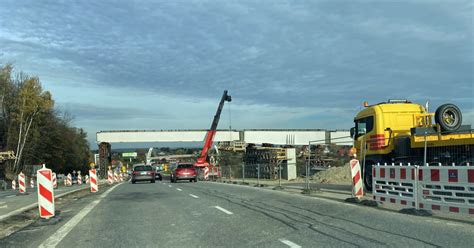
(203, 161)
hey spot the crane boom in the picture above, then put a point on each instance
(202, 160)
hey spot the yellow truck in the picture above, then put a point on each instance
(397, 131)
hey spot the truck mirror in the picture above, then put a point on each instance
(352, 132)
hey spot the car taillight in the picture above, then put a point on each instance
(136, 172)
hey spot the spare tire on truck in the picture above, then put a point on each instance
(449, 117)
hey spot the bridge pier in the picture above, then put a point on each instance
(105, 157)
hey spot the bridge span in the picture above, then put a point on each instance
(257, 136)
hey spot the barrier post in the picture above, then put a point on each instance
(110, 177)
(45, 193)
(93, 180)
(14, 184)
(69, 179)
(79, 178)
(357, 187)
(55, 181)
(21, 183)
(32, 183)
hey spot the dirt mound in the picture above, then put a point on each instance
(334, 175)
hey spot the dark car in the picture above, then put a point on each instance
(183, 172)
(143, 173)
(158, 171)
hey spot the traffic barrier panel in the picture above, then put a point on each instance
(110, 177)
(14, 184)
(357, 187)
(55, 181)
(21, 183)
(87, 179)
(447, 189)
(121, 177)
(394, 184)
(93, 180)
(45, 192)
(116, 179)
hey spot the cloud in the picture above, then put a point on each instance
(308, 62)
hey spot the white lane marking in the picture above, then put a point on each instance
(4, 206)
(170, 186)
(289, 243)
(223, 210)
(59, 235)
(10, 196)
(195, 196)
(178, 189)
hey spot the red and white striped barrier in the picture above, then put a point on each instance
(79, 179)
(87, 179)
(69, 179)
(433, 188)
(110, 177)
(394, 184)
(447, 189)
(32, 183)
(206, 173)
(55, 181)
(93, 180)
(14, 184)
(45, 192)
(21, 182)
(116, 179)
(121, 177)
(357, 187)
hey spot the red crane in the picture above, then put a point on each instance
(202, 161)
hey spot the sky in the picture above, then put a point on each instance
(120, 65)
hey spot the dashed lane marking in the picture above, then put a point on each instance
(178, 189)
(194, 196)
(170, 186)
(10, 196)
(57, 237)
(224, 210)
(289, 243)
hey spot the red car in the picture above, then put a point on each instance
(183, 172)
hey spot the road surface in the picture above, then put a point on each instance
(222, 215)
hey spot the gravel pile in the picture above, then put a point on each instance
(334, 175)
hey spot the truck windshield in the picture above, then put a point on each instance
(363, 126)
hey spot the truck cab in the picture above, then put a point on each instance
(396, 131)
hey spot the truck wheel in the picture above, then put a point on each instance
(368, 175)
(449, 117)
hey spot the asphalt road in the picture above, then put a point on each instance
(222, 215)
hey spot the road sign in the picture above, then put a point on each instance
(129, 154)
(92, 165)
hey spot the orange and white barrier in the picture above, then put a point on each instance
(79, 178)
(14, 184)
(357, 187)
(206, 173)
(45, 193)
(21, 182)
(69, 179)
(55, 181)
(93, 180)
(110, 177)
(32, 183)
